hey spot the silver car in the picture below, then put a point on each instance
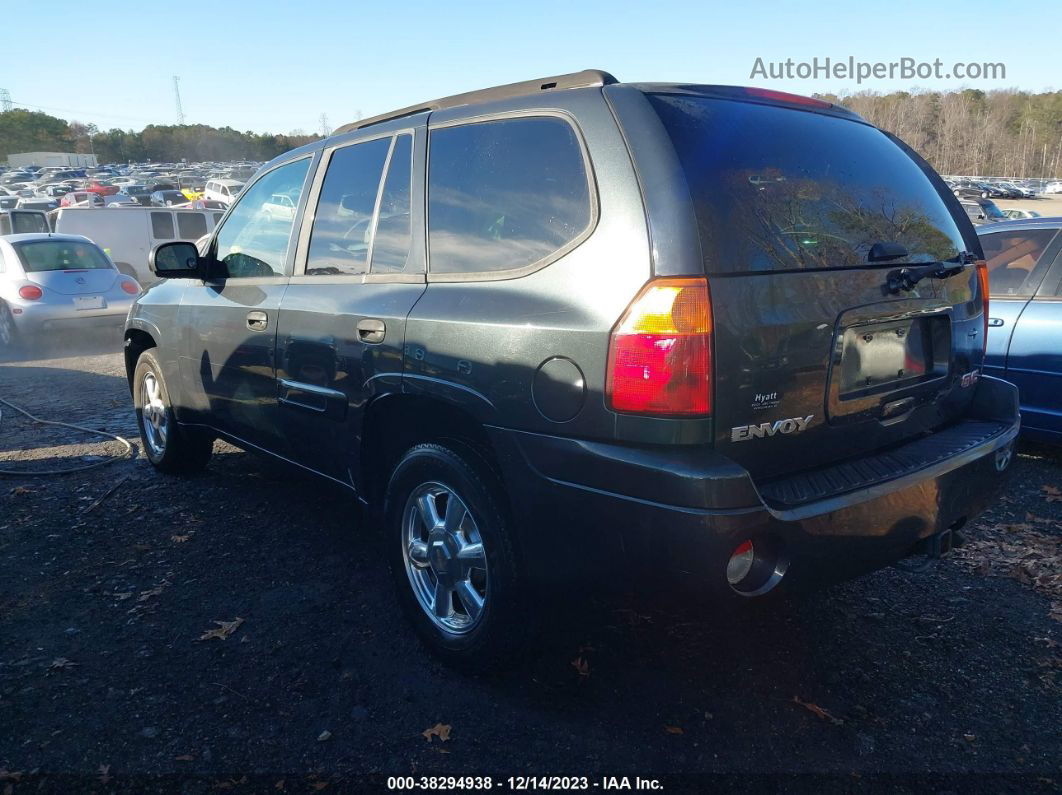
(59, 282)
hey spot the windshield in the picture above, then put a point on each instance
(781, 189)
(60, 255)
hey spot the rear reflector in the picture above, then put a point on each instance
(31, 292)
(660, 352)
(130, 287)
(740, 563)
(982, 280)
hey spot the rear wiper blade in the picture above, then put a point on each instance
(907, 278)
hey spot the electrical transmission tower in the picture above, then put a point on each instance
(177, 99)
(5, 100)
(325, 129)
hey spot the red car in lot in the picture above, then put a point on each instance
(102, 188)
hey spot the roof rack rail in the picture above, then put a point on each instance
(583, 79)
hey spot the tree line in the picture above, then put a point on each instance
(1007, 133)
(34, 131)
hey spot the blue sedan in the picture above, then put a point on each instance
(1025, 320)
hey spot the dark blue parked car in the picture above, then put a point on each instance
(1025, 322)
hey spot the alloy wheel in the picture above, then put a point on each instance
(444, 558)
(156, 419)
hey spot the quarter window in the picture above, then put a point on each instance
(191, 226)
(1016, 264)
(253, 242)
(162, 226)
(504, 194)
(390, 242)
(339, 240)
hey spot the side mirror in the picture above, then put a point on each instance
(177, 260)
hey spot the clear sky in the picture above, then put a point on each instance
(277, 66)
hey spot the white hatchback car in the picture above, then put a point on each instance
(59, 282)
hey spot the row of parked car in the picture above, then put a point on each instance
(48, 188)
(1002, 188)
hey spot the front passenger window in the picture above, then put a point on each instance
(252, 242)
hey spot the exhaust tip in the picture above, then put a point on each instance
(756, 567)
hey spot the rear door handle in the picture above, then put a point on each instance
(257, 321)
(371, 330)
(995, 321)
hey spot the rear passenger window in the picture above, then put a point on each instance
(504, 194)
(191, 226)
(1016, 264)
(339, 240)
(390, 242)
(162, 226)
(217, 218)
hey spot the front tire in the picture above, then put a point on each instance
(452, 557)
(169, 447)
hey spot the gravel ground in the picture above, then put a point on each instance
(110, 579)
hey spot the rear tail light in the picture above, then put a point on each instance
(660, 352)
(982, 280)
(31, 292)
(130, 287)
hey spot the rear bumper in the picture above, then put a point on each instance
(683, 511)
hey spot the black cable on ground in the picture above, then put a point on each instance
(67, 470)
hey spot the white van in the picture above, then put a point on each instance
(128, 234)
(222, 190)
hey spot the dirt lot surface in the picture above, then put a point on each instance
(112, 580)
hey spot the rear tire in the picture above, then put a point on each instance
(449, 538)
(169, 447)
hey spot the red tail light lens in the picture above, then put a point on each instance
(982, 280)
(31, 292)
(660, 353)
(130, 287)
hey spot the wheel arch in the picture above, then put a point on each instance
(394, 423)
(136, 342)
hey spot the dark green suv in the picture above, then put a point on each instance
(729, 336)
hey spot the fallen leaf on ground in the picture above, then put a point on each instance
(60, 664)
(10, 775)
(440, 730)
(325, 735)
(223, 630)
(104, 774)
(179, 539)
(815, 709)
(184, 758)
(581, 665)
(674, 730)
(1051, 493)
(18, 491)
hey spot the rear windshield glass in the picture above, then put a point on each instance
(780, 189)
(60, 255)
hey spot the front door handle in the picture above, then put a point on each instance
(371, 330)
(995, 321)
(257, 321)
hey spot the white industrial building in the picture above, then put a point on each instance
(42, 159)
